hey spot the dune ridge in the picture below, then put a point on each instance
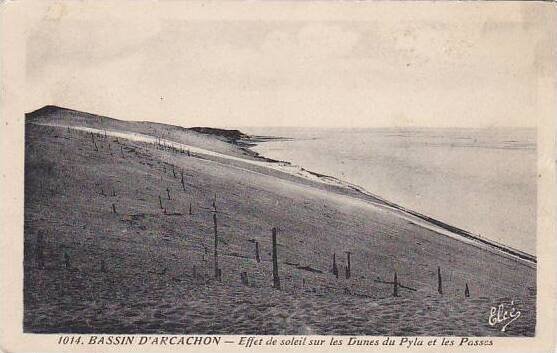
(123, 253)
(234, 135)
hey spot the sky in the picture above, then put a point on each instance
(386, 65)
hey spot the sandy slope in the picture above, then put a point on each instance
(344, 189)
(65, 182)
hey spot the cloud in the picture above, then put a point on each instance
(315, 41)
(284, 72)
(67, 41)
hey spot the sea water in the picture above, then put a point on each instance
(480, 180)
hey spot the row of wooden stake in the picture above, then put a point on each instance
(276, 278)
(396, 285)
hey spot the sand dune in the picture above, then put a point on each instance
(133, 270)
(300, 172)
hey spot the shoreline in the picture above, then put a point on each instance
(415, 217)
(145, 257)
(450, 228)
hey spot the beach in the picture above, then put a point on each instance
(131, 205)
(458, 176)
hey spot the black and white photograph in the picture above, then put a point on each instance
(358, 174)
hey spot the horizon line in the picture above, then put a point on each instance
(227, 126)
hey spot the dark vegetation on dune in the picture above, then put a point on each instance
(232, 135)
(130, 237)
(71, 117)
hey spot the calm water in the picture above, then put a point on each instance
(480, 180)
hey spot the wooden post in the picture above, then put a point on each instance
(190, 209)
(395, 286)
(276, 279)
(182, 181)
(335, 268)
(439, 281)
(113, 208)
(257, 258)
(347, 264)
(467, 291)
(216, 259)
(94, 143)
(67, 264)
(160, 202)
(244, 278)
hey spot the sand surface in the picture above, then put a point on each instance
(147, 282)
